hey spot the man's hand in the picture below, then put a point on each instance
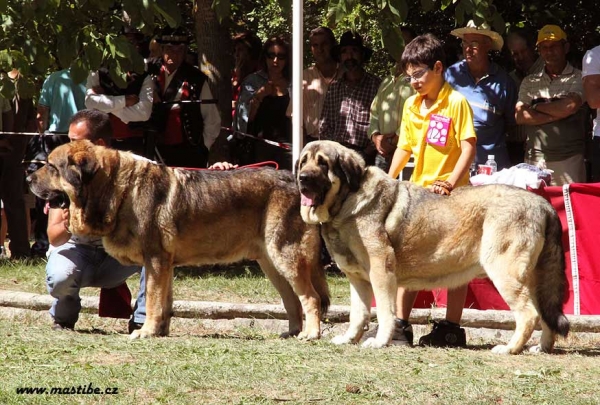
(385, 144)
(98, 89)
(222, 166)
(131, 99)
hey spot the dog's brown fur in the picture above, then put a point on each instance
(161, 217)
(383, 233)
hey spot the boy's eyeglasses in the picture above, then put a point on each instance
(273, 55)
(472, 44)
(416, 76)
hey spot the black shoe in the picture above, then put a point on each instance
(63, 326)
(134, 326)
(445, 334)
(402, 335)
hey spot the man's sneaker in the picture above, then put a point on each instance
(63, 326)
(445, 334)
(402, 335)
(134, 326)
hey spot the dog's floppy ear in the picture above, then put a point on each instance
(81, 167)
(352, 166)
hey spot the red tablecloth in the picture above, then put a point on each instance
(578, 206)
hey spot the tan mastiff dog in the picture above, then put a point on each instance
(383, 233)
(161, 217)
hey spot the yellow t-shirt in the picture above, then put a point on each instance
(448, 122)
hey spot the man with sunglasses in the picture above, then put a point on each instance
(346, 110)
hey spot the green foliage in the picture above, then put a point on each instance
(38, 37)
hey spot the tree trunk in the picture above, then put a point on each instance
(215, 60)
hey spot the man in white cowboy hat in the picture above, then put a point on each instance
(551, 106)
(492, 95)
(346, 109)
(489, 89)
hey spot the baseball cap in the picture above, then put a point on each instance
(551, 33)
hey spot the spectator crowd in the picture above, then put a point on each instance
(441, 116)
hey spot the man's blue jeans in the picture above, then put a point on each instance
(73, 266)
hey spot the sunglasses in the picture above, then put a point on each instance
(273, 55)
(417, 75)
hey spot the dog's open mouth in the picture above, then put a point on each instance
(309, 198)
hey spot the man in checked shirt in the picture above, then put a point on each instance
(346, 110)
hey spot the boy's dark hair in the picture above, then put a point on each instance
(423, 50)
(98, 123)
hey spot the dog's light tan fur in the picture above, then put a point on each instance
(383, 233)
(161, 217)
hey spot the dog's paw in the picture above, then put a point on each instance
(289, 334)
(145, 334)
(538, 349)
(373, 343)
(309, 335)
(341, 340)
(501, 349)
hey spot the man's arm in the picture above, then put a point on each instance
(563, 108)
(327, 116)
(42, 118)
(591, 90)
(58, 223)
(467, 156)
(399, 161)
(526, 115)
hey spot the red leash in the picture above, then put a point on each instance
(250, 166)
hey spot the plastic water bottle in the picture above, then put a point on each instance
(492, 163)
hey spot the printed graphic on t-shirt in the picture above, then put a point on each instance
(439, 127)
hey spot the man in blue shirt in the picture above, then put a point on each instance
(489, 90)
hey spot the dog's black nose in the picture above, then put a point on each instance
(303, 177)
(29, 179)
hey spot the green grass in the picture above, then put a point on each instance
(251, 365)
(239, 283)
(254, 367)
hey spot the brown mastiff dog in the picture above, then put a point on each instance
(161, 217)
(383, 233)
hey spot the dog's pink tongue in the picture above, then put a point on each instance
(306, 201)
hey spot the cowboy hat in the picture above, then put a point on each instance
(350, 38)
(483, 29)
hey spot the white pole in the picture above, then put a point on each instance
(298, 58)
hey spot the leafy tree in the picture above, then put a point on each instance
(38, 36)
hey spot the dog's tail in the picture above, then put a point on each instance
(552, 287)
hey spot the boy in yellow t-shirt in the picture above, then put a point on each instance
(437, 128)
